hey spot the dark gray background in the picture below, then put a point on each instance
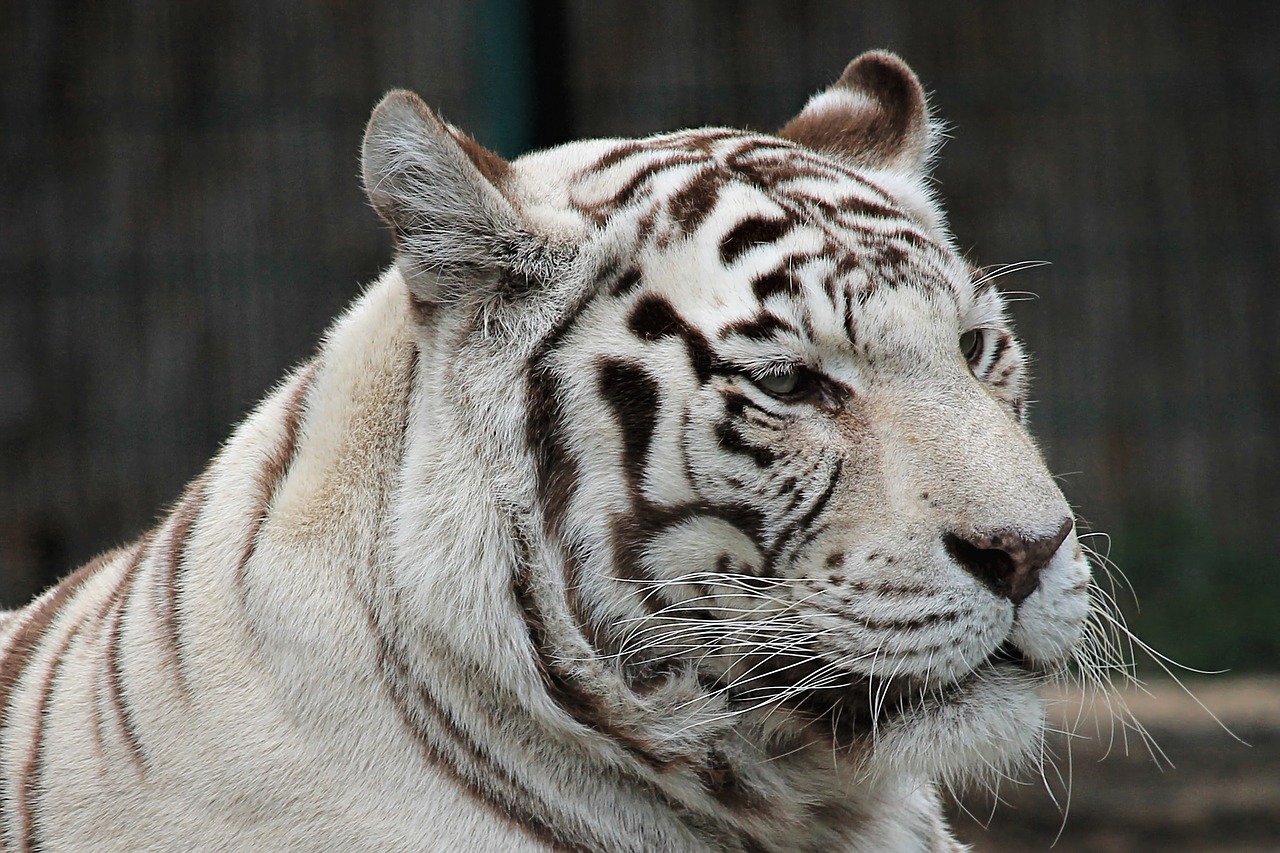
(180, 217)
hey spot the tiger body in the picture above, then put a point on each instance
(647, 503)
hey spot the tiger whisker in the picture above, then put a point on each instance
(1000, 270)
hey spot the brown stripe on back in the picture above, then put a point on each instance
(115, 670)
(39, 617)
(295, 407)
(169, 579)
(102, 620)
(35, 621)
(29, 785)
(493, 784)
(277, 465)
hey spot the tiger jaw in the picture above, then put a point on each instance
(841, 672)
(856, 712)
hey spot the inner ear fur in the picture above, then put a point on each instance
(445, 197)
(874, 116)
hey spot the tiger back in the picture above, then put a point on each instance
(665, 494)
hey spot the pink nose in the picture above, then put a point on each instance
(1008, 563)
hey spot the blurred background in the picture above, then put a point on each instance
(181, 216)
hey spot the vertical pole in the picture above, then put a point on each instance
(521, 64)
(504, 80)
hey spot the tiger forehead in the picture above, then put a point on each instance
(688, 166)
(680, 180)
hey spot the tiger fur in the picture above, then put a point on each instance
(665, 494)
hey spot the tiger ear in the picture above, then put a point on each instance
(445, 197)
(874, 116)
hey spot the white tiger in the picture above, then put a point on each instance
(666, 494)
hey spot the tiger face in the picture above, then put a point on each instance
(849, 513)
(767, 422)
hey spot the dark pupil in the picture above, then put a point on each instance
(971, 345)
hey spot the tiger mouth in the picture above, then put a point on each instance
(1007, 653)
(852, 713)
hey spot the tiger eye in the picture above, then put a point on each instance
(971, 345)
(780, 384)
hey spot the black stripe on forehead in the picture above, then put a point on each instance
(751, 232)
(690, 205)
(767, 164)
(780, 280)
(856, 206)
(914, 239)
(654, 318)
(617, 155)
(768, 173)
(640, 180)
(617, 278)
(627, 282)
(676, 147)
(758, 328)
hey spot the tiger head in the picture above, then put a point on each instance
(754, 428)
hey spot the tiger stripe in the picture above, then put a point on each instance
(23, 645)
(170, 584)
(446, 745)
(28, 787)
(116, 689)
(276, 463)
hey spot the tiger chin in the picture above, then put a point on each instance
(664, 494)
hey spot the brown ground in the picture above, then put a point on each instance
(1219, 795)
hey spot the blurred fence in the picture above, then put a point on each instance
(181, 216)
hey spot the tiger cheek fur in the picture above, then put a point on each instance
(666, 494)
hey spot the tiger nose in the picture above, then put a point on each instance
(1008, 563)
